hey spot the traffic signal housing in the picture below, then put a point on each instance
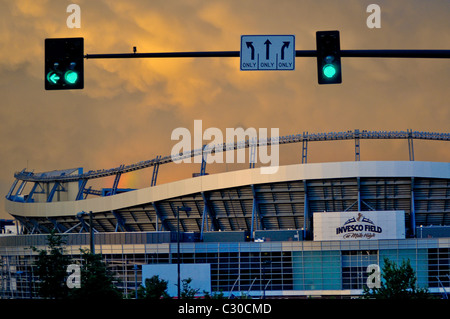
(64, 63)
(328, 57)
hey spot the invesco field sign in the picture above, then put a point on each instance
(359, 225)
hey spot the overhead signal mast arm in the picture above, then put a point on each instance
(443, 54)
(64, 67)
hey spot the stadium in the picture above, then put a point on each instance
(309, 229)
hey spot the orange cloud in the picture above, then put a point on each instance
(128, 109)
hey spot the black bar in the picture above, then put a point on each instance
(443, 54)
(206, 54)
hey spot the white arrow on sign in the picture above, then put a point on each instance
(267, 52)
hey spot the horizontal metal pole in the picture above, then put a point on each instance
(443, 54)
(205, 54)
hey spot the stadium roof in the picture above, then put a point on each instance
(248, 200)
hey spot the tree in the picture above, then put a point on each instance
(51, 266)
(186, 291)
(213, 295)
(155, 288)
(97, 281)
(398, 283)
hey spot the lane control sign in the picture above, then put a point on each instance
(267, 52)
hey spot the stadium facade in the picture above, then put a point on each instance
(309, 229)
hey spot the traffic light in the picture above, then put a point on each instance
(328, 57)
(64, 64)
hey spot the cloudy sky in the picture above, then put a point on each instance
(129, 108)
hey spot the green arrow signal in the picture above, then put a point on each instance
(52, 77)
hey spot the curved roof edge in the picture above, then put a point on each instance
(233, 179)
(70, 176)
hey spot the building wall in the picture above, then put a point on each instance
(417, 257)
(317, 270)
(289, 268)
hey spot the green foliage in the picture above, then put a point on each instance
(155, 288)
(213, 295)
(399, 283)
(245, 296)
(51, 265)
(186, 291)
(97, 281)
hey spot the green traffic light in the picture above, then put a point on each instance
(329, 70)
(71, 77)
(52, 77)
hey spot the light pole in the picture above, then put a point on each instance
(91, 228)
(265, 264)
(91, 231)
(135, 268)
(184, 209)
